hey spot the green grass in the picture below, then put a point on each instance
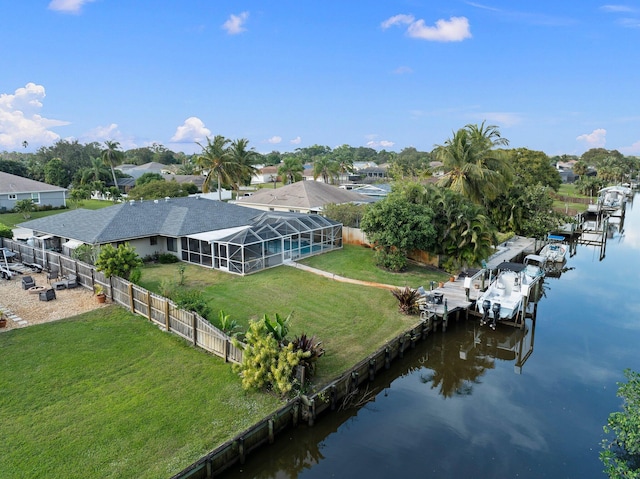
(351, 320)
(357, 262)
(13, 219)
(109, 395)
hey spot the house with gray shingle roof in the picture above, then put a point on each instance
(15, 188)
(209, 233)
(301, 197)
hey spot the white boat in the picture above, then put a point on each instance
(504, 298)
(534, 266)
(555, 251)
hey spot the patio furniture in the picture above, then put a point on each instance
(28, 282)
(58, 285)
(71, 281)
(47, 295)
(53, 274)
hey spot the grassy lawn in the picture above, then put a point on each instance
(109, 395)
(566, 205)
(357, 262)
(351, 320)
(13, 219)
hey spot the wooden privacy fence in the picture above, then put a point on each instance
(156, 308)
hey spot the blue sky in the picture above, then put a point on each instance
(557, 76)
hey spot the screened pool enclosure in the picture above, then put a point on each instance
(271, 240)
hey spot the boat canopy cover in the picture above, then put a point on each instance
(508, 265)
(556, 237)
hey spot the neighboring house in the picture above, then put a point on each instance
(377, 191)
(301, 197)
(265, 174)
(213, 234)
(15, 188)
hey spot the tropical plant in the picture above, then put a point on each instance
(86, 253)
(407, 299)
(291, 168)
(278, 326)
(25, 207)
(218, 162)
(244, 159)
(312, 349)
(472, 167)
(118, 261)
(325, 167)
(266, 362)
(112, 156)
(621, 454)
(227, 325)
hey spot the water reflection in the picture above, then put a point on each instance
(454, 407)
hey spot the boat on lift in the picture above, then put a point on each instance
(555, 251)
(504, 298)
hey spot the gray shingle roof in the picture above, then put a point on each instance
(303, 194)
(13, 184)
(175, 217)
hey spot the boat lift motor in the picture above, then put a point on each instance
(496, 315)
(486, 306)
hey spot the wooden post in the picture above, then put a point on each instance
(270, 425)
(226, 350)
(167, 318)
(132, 304)
(149, 305)
(194, 323)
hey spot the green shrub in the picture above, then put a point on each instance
(167, 258)
(266, 363)
(5, 231)
(191, 300)
(394, 260)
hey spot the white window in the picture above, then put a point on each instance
(13, 196)
(35, 197)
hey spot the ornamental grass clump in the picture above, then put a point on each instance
(269, 359)
(407, 300)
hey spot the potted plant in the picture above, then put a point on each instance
(99, 292)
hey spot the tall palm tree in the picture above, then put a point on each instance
(96, 172)
(326, 168)
(245, 160)
(217, 160)
(291, 168)
(112, 156)
(472, 167)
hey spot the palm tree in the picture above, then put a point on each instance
(111, 156)
(217, 160)
(326, 168)
(96, 172)
(291, 168)
(245, 159)
(472, 168)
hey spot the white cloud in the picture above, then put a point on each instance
(634, 149)
(616, 8)
(380, 144)
(398, 20)
(192, 130)
(111, 133)
(20, 120)
(274, 140)
(596, 139)
(67, 6)
(235, 24)
(455, 29)
(296, 141)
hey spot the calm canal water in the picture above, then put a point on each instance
(471, 403)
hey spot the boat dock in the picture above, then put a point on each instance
(459, 296)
